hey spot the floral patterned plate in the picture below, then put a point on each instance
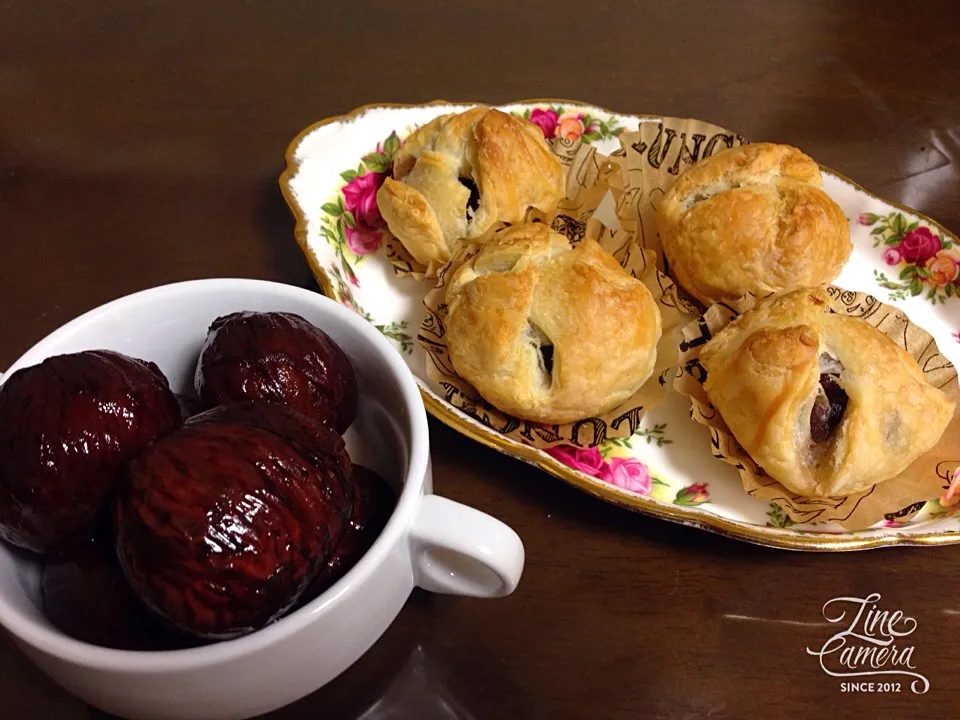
(665, 469)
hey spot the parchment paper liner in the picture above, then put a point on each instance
(899, 498)
(586, 187)
(647, 163)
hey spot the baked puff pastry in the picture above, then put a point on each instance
(752, 219)
(549, 332)
(825, 403)
(460, 174)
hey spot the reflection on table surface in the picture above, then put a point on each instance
(395, 680)
(141, 143)
(416, 692)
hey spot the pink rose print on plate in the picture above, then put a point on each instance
(956, 336)
(360, 196)
(895, 523)
(586, 460)
(892, 256)
(919, 245)
(570, 127)
(924, 263)
(557, 122)
(628, 474)
(546, 120)
(360, 199)
(952, 496)
(944, 267)
(362, 242)
(692, 495)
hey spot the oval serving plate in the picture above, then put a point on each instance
(665, 469)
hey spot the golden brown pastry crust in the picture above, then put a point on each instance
(763, 375)
(425, 204)
(527, 287)
(752, 219)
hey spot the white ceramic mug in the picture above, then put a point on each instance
(429, 541)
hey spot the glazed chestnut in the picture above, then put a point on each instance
(66, 427)
(86, 596)
(222, 525)
(188, 406)
(278, 357)
(373, 505)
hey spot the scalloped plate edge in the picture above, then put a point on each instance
(689, 516)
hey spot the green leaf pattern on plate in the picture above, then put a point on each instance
(921, 263)
(351, 224)
(778, 518)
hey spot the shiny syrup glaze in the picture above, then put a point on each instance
(278, 357)
(86, 595)
(223, 525)
(373, 505)
(828, 409)
(66, 427)
(189, 406)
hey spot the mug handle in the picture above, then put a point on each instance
(458, 550)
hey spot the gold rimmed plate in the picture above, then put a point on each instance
(666, 469)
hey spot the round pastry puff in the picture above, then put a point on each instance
(548, 332)
(462, 174)
(752, 220)
(778, 363)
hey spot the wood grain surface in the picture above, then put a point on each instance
(141, 142)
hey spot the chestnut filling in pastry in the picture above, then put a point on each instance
(831, 401)
(544, 346)
(473, 202)
(546, 352)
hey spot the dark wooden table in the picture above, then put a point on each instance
(140, 144)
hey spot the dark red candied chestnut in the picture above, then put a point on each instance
(374, 503)
(86, 596)
(188, 406)
(223, 525)
(66, 427)
(278, 357)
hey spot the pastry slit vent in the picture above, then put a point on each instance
(708, 193)
(401, 169)
(473, 202)
(544, 347)
(503, 262)
(831, 402)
